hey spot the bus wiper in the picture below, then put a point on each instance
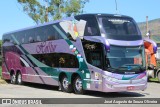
(134, 65)
(112, 69)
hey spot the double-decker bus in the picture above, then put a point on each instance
(99, 52)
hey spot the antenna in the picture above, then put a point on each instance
(116, 7)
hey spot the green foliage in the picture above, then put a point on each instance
(154, 79)
(0, 49)
(0, 60)
(0, 72)
(48, 10)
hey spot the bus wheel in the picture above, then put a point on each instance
(65, 86)
(19, 78)
(77, 85)
(13, 78)
(158, 75)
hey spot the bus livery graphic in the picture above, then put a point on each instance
(100, 52)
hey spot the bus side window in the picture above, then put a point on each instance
(19, 37)
(38, 38)
(58, 60)
(50, 38)
(68, 61)
(91, 28)
(31, 40)
(6, 38)
(40, 34)
(31, 36)
(48, 33)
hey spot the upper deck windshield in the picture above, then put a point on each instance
(119, 28)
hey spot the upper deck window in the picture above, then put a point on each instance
(120, 28)
(91, 28)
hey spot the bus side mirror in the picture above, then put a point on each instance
(107, 45)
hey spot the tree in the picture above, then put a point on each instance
(48, 10)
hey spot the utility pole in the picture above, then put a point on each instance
(146, 24)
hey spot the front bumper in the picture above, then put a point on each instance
(113, 85)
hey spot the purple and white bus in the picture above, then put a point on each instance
(99, 52)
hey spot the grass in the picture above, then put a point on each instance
(154, 79)
(0, 72)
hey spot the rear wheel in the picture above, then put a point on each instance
(65, 86)
(19, 79)
(77, 85)
(13, 78)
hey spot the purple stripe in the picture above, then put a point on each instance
(125, 43)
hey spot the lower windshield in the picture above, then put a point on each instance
(125, 59)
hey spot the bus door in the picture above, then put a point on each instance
(93, 53)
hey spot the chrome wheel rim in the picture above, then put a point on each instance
(78, 84)
(159, 76)
(19, 78)
(65, 83)
(13, 78)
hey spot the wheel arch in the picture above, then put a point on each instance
(12, 72)
(158, 71)
(74, 75)
(61, 75)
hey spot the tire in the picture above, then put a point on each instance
(13, 79)
(158, 76)
(65, 87)
(77, 86)
(19, 79)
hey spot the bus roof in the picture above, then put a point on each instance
(104, 14)
(68, 18)
(39, 25)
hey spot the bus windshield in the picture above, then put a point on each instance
(119, 28)
(125, 59)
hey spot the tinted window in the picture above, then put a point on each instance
(26, 36)
(120, 28)
(6, 38)
(51, 33)
(39, 34)
(31, 36)
(93, 53)
(91, 28)
(61, 60)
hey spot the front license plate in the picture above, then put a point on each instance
(130, 88)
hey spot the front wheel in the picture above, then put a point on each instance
(77, 85)
(13, 78)
(65, 86)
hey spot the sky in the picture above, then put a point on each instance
(13, 18)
